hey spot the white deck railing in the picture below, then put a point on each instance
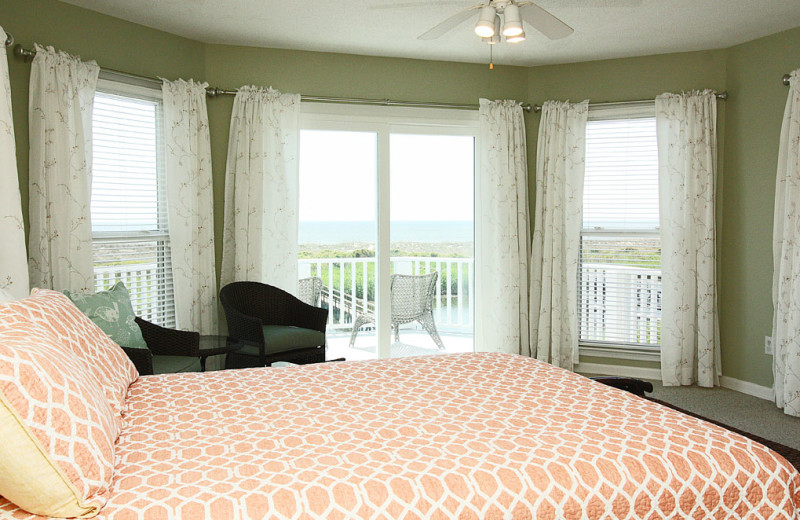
(620, 304)
(151, 290)
(346, 278)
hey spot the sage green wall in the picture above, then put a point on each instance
(753, 125)
(112, 42)
(624, 80)
(749, 122)
(342, 75)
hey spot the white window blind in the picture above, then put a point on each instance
(620, 256)
(129, 211)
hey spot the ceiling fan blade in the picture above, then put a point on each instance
(449, 24)
(544, 22)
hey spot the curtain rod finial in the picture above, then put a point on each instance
(9, 40)
(23, 53)
(785, 79)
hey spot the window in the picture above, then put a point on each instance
(129, 213)
(620, 257)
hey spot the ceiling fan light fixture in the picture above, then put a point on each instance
(486, 22)
(495, 38)
(513, 22)
(516, 39)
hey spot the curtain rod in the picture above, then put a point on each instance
(214, 92)
(538, 108)
(28, 54)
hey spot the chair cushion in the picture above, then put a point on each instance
(57, 426)
(112, 311)
(280, 338)
(174, 364)
(102, 358)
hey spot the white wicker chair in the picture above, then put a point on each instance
(412, 300)
(309, 290)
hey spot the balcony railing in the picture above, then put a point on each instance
(152, 296)
(620, 305)
(346, 279)
(617, 304)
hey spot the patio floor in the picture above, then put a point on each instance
(412, 343)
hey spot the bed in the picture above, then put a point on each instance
(458, 436)
(472, 436)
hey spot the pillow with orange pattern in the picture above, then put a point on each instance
(102, 358)
(57, 427)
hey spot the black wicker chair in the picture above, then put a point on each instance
(282, 327)
(168, 350)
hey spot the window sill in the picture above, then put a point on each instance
(605, 350)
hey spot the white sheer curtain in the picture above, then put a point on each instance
(13, 259)
(560, 168)
(786, 258)
(190, 202)
(60, 114)
(503, 230)
(687, 150)
(261, 189)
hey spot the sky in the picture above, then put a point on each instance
(432, 176)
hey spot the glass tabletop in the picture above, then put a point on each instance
(213, 345)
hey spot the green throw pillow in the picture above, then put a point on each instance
(112, 311)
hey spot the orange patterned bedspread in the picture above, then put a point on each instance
(473, 436)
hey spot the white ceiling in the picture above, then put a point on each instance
(603, 28)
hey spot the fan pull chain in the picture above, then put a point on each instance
(491, 57)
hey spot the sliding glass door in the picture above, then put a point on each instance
(338, 225)
(432, 243)
(386, 224)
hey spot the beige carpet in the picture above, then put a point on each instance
(742, 411)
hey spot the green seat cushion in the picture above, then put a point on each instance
(173, 364)
(112, 311)
(280, 338)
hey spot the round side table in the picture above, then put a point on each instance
(215, 346)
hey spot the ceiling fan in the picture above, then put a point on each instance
(490, 26)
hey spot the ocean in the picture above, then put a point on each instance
(330, 232)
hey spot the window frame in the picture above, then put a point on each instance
(635, 352)
(123, 86)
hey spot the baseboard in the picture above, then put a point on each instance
(746, 387)
(618, 370)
